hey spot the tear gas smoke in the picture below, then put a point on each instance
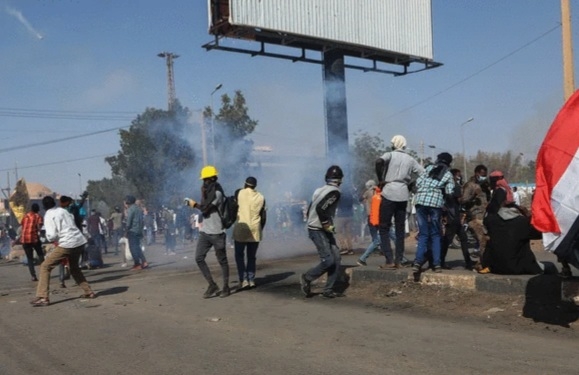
(20, 17)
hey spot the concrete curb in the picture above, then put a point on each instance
(466, 280)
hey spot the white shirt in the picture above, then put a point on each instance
(517, 198)
(59, 226)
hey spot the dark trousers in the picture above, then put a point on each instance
(246, 271)
(388, 210)
(29, 249)
(454, 228)
(205, 243)
(135, 248)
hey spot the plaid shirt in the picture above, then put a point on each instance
(31, 224)
(430, 190)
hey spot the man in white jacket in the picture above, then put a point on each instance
(69, 243)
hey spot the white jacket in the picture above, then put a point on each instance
(59, 225)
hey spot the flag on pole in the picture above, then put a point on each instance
(555, 204)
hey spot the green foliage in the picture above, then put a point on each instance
(111, 191)
(366, 149)
(153, 155)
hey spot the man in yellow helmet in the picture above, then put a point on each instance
(212, 233)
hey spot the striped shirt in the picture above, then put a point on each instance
(430, 189)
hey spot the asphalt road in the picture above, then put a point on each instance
(155, 322)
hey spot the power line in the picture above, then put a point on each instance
(57, 162)
(475, 73)
(22, 147)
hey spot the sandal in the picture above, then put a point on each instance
(90, 295)
(40, 302)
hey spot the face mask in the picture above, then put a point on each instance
(482, 178)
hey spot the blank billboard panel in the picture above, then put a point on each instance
(394, 27)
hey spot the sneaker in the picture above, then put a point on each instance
(305, 285)
(388, 266)
(123, 265)
(360, 262)
(251, 284)
(244, 284)
(416, 268)
(437, 269)
(211, 290)
(40, 302)
(332, 294)
(225, 292)
(136, 268)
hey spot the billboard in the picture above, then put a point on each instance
(394, 31)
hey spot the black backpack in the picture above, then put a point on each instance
(228, 211)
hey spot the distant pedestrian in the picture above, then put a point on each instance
(372, 198)
(116, 219)
(321, 231)
(212, 233)
(61, 229)
(247, 233)
(134, 233)
(31, 224)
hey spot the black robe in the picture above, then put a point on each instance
(508, 251)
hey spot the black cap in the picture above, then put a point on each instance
(65, 199)
(445, 158)
(251, 181)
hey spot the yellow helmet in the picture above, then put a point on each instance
(208, 171)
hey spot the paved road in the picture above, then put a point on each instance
(155, 322)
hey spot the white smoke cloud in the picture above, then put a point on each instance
(20, 17)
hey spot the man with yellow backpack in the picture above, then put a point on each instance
(372, 199)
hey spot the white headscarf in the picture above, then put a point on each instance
(398, 142)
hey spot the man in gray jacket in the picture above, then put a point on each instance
(396, 170)
(135, 225)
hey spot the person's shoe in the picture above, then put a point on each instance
(388, 266)
(40, 302)
(251, 284)
(416, 268)
(136, 267)
(344, 252)
(437, 269)
(360, 262)
(123, 265)
(62, 285)
(446, 267)
(145, 265)
(211, 290)
(484, 270)
(225, 292)
(305, 285)
(34, 278)
(244, 284)
(332, 294)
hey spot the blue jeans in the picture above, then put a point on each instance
(429, 230)
(388, 210)
(135, 248)
(375, 242)
(329, 258)
(246, 271)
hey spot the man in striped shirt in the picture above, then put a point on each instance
(31, 224)
(433, 185)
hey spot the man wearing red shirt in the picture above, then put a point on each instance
(31, 224)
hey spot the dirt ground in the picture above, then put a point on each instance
(506, 312)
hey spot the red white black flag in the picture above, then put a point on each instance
(556, 202)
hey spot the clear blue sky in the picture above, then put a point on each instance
(100, 58)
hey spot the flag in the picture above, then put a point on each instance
(555, 204)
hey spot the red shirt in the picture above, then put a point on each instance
(31, 224)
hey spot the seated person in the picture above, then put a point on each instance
(508, 250)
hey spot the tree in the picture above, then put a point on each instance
(232, 124)
(154, 154)
(111, 191)
(366, 149)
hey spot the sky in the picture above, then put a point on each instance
(72, 68)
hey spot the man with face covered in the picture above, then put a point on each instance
(212, 233)
(474, 199)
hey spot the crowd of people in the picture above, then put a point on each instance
(434, 200)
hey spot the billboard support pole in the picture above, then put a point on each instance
(336, 114)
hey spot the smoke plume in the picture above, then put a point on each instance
(20, 17)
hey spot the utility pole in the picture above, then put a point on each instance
(567, 44)
(169, 57)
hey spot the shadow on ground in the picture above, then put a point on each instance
(543, 302)
(112, 291)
